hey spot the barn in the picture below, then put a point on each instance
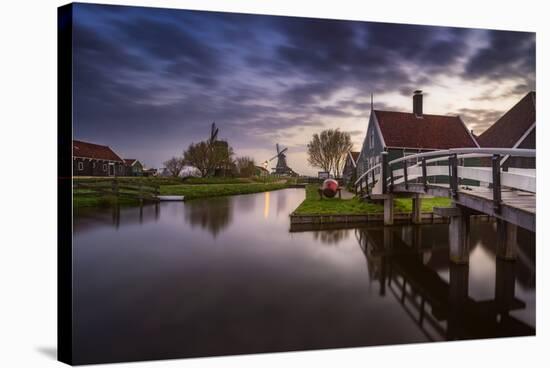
(133, 167)
(349, 173)
(90, 159)
(515, 129)
(407, 133)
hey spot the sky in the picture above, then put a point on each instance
(148, 81)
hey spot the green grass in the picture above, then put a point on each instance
(193, 191)
(312, 205)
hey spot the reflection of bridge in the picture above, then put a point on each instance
(506, 193)
(443, 310)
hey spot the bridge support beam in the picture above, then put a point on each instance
(388, 210)
(506, 240)
(416, 209)
(459, 233)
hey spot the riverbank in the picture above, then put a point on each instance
(354, 209)
(191, 188)
(194, 191)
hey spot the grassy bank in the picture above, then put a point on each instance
(191, 188)
(312, 205)
(193, 191)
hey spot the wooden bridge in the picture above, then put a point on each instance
(505, 193)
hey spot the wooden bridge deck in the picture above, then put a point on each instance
(517, 207)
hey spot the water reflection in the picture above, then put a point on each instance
(156, 281)
(331, 237)
(407, 264)
(214, 214)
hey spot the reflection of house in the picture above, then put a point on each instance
(350, 167)
(90, 159)
(133, 167)
(515, 129)
(407, 133)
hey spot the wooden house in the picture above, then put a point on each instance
(407, 133)
(90, 159)
(133, 167)
(515, 129)
(349, 173)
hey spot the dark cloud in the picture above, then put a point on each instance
(156, 78)
(507, 54)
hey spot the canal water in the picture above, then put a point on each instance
(229, 276)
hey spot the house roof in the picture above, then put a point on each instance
(406, 130)
(95, 151)
(130, 161)
(354, 156)
(508, 130)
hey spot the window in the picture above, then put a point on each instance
(80, 166)
(93, 165)
(371, 143)
(104, 167)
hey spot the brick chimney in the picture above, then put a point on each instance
(417, 103)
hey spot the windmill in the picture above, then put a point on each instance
(221, 149)
(213, 133)
(281, 167)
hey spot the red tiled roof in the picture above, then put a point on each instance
(96, 151)
(405, 130)
(512, 125)
(129, 161)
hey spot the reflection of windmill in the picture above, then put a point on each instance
(281, 168)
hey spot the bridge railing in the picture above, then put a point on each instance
(521, 179)
(366, 182)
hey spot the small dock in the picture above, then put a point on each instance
(171, 198)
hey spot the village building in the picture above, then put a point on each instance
(515, 129)
(90, 159)
(150, 172)
(407, 133)
(260, 171)
(349, 173)
(133, 167)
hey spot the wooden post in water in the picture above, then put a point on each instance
(388, 210)
(459, 232)
(417, 209)
(507, 235)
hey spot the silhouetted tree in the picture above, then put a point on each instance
(174, 166)
(328, 150)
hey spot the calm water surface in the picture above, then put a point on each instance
(228, 276)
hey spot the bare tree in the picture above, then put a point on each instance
(245, 166)
(174, 166)
(199, 156)
(328, 150)
(207, 157)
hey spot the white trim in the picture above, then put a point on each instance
(469, 131)
(520, 140)
(352, 160)
(96, 159)
(382, 140)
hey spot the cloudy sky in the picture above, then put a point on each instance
(150, 81)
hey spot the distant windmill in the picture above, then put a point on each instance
(281, 168)
(213, 133)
